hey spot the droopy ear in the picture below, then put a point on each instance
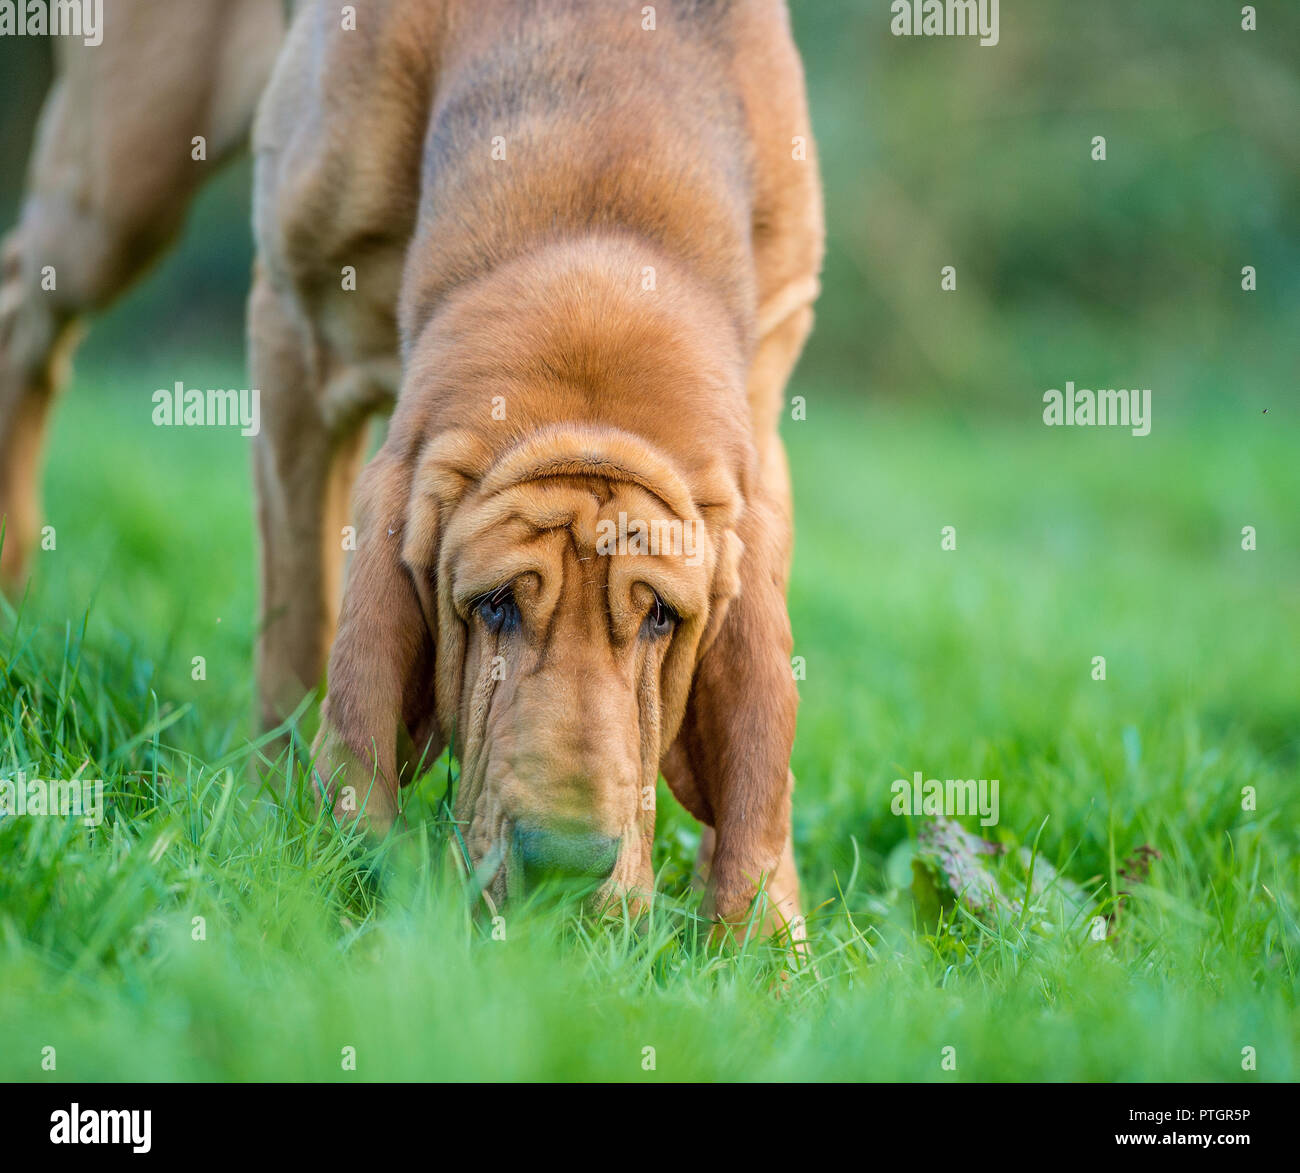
(740, 723)
(381, 665)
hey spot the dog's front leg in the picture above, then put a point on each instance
(782, 887)
(305, 465)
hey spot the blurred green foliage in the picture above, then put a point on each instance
(939, 152)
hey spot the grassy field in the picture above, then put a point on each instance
(974, 662)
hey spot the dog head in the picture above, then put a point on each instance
(541, 611)
(537, 593)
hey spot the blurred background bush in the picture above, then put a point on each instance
(939, 152)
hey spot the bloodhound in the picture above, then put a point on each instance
(131, 130)
(576, 243)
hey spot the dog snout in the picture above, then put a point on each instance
(566, 853)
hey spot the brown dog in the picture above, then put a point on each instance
(592, 233)
(112, 174)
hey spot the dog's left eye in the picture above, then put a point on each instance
(662, 619)
(498, 610)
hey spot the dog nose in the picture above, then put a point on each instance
(574, 854)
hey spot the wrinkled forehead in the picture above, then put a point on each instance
(627, 535)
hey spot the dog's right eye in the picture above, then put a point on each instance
(499, 611)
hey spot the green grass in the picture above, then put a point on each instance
(974, 662)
